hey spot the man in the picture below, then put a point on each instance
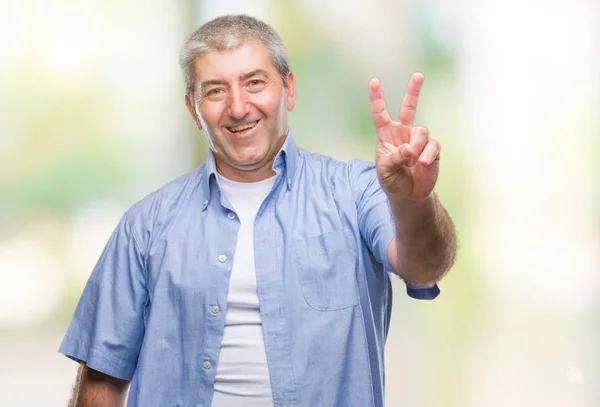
(263, 277)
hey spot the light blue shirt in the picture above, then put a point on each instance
(153, 310)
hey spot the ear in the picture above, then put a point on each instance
(191, 105)
(291, 91)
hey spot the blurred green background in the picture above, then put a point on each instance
(92, 118)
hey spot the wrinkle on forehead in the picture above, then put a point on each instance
(224, 65)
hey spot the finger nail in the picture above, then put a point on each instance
(405, 151)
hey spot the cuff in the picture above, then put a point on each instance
(422, 292)
(96, 359)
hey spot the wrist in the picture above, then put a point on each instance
(408, 201)
(409, 207)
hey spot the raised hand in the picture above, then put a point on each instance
(407, 160)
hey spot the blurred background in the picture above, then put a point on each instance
(92, 118)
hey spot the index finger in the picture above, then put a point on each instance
(408, 108)
(379, 112)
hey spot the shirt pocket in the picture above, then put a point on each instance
(327, 272)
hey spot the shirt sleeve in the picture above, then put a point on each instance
(107, 328)
(376, 222)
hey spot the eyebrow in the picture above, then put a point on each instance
(254, 73)
(248, 75)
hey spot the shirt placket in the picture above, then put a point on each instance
(225, 225)
(268, 252)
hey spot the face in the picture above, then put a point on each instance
(241, 104)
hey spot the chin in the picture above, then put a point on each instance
(251, 153)
(246, 160)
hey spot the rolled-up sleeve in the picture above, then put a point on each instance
(107, 328)
(376, 222)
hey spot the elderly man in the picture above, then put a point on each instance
(262, 278)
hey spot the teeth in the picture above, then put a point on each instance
(237, 129)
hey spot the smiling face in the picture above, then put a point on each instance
(241, 104)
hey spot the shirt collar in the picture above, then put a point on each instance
(286, 159)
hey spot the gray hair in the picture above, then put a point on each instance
(231, 32)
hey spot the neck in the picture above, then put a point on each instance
(238, 175)
(254, 172)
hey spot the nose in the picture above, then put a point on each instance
(239, 105)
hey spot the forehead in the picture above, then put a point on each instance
(231, 64)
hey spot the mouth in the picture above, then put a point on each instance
(243, 129)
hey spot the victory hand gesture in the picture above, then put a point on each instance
(407, 160)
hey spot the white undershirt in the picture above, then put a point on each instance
(242, 372)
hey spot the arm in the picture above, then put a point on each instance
(407, 162)
(96, 389)
(424, 248)
(108, 328)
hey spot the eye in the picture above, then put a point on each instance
(214, 92)
(256, 83)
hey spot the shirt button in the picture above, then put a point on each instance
(222, 258)
(207, 364)
(206, 202)
(231, 215)
(215, 309)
